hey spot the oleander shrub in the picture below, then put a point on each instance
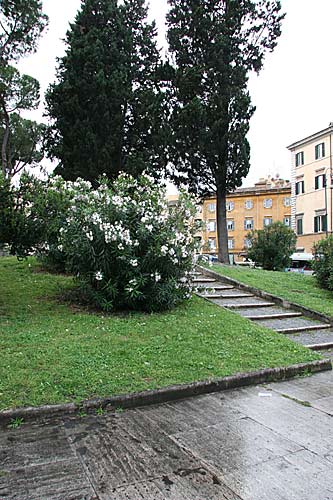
(272, 246)
(323, 262)
(127, 248)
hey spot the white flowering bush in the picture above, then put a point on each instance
(126, 247)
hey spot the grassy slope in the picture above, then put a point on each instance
(52, 353)
(295, 287)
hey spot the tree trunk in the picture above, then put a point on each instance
(222, 232)
(4, 146)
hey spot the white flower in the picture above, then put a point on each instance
(149, 227)
(164, 250)
(157, 277)
(134, 262)
(98, 276)
(60, 248)
(120, 246)
(89, 235)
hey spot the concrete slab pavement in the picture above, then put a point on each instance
(271, 442)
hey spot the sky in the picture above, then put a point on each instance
(293, 94)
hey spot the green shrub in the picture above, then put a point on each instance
(272, 246)
(19, 225)
(127, 249)
(31, 214)
(323, 262)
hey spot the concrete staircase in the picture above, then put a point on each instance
(314, 334)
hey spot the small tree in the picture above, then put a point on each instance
(272, 246)
(21, 24)
(323, 262)
(17, 93)
(24, 144)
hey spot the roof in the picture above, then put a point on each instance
(313, 137)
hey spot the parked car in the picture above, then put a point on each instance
(301, 263)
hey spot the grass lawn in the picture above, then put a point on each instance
(297, 288)
(52, 352)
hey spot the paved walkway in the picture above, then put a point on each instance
(272, 442)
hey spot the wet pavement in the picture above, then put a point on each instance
(270, 442)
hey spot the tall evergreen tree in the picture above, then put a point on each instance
(214, 46)
(106, 107)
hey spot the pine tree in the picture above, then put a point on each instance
(106, 107)
(214, 46)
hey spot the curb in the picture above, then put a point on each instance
(265, 295)
(167, 394)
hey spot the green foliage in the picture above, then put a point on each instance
(127, 249)
(323, 263)
(15, 423)
(21, 24)
(19, 227)
(17, 93)
(24, 144)
(272, 246)
(31, 214)
(106, 107)
(215, 45)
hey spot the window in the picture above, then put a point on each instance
(199, 209)
(230, 206)
(247, 243)
(230, 225)
(300, 187)
(212, 243)
(320, 150)
(231, 243)
(320, 181)
(211, 207)
(299, 225)
(320, 223)
(211, 226)
(268, 203)
(248, 204)
(287, 202)
(287, 221)
(299, 158)
(268, 221)
(248, 224)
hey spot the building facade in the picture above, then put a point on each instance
(268, 201)
(312, 188)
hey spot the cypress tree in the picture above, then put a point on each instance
(214, 46)
(106, 107)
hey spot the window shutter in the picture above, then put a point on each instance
(324, 223)
(302, 186)
(317, 182)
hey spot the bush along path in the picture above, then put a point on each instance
(312, 333)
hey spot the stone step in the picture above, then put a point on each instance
(313, 338)
(250, 305)
(304, 328)
(274, 316)
(221, 287)
(320, 347)
(233, 296)
(203, 280)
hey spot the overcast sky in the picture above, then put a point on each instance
(293, 94)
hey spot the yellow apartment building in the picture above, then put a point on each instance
(250, 208)
(312, 188)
